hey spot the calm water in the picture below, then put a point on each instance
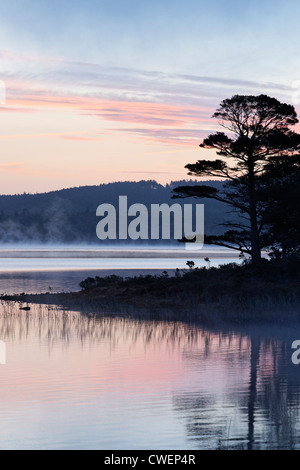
(72, 382)
(60, 269)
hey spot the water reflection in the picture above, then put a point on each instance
(52, 324)
(259, 406)
(88, 382)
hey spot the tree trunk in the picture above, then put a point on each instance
(254, 232)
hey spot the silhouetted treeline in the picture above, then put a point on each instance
(69, 215)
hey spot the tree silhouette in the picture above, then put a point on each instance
(190, 264)
(280, 187)
(258, 134)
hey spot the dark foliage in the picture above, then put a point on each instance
(256, 152)
(226, 285)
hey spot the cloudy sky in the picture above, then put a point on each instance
(112, 90)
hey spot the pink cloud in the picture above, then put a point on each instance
(178, 136)
(6, 109)
(155, 114)
(11, 166)
(156, 122)
(154, 119)
(83, 139)
(33, 136)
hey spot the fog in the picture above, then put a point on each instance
(103, 250)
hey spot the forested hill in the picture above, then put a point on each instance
(69, 215)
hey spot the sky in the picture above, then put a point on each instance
(97, 91)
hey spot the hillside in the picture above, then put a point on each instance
(69, 215)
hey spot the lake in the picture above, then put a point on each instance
(116, 382)
(83, 382)
(40, 269)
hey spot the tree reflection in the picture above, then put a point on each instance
(237, 389)
(254, 362)
(257, 410)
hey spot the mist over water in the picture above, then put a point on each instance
(115, 381)
(105, 248)
(60, 268)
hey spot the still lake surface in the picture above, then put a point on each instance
(77, 382)
(72, 381)
(38, 269)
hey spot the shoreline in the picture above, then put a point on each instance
(231, 294)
